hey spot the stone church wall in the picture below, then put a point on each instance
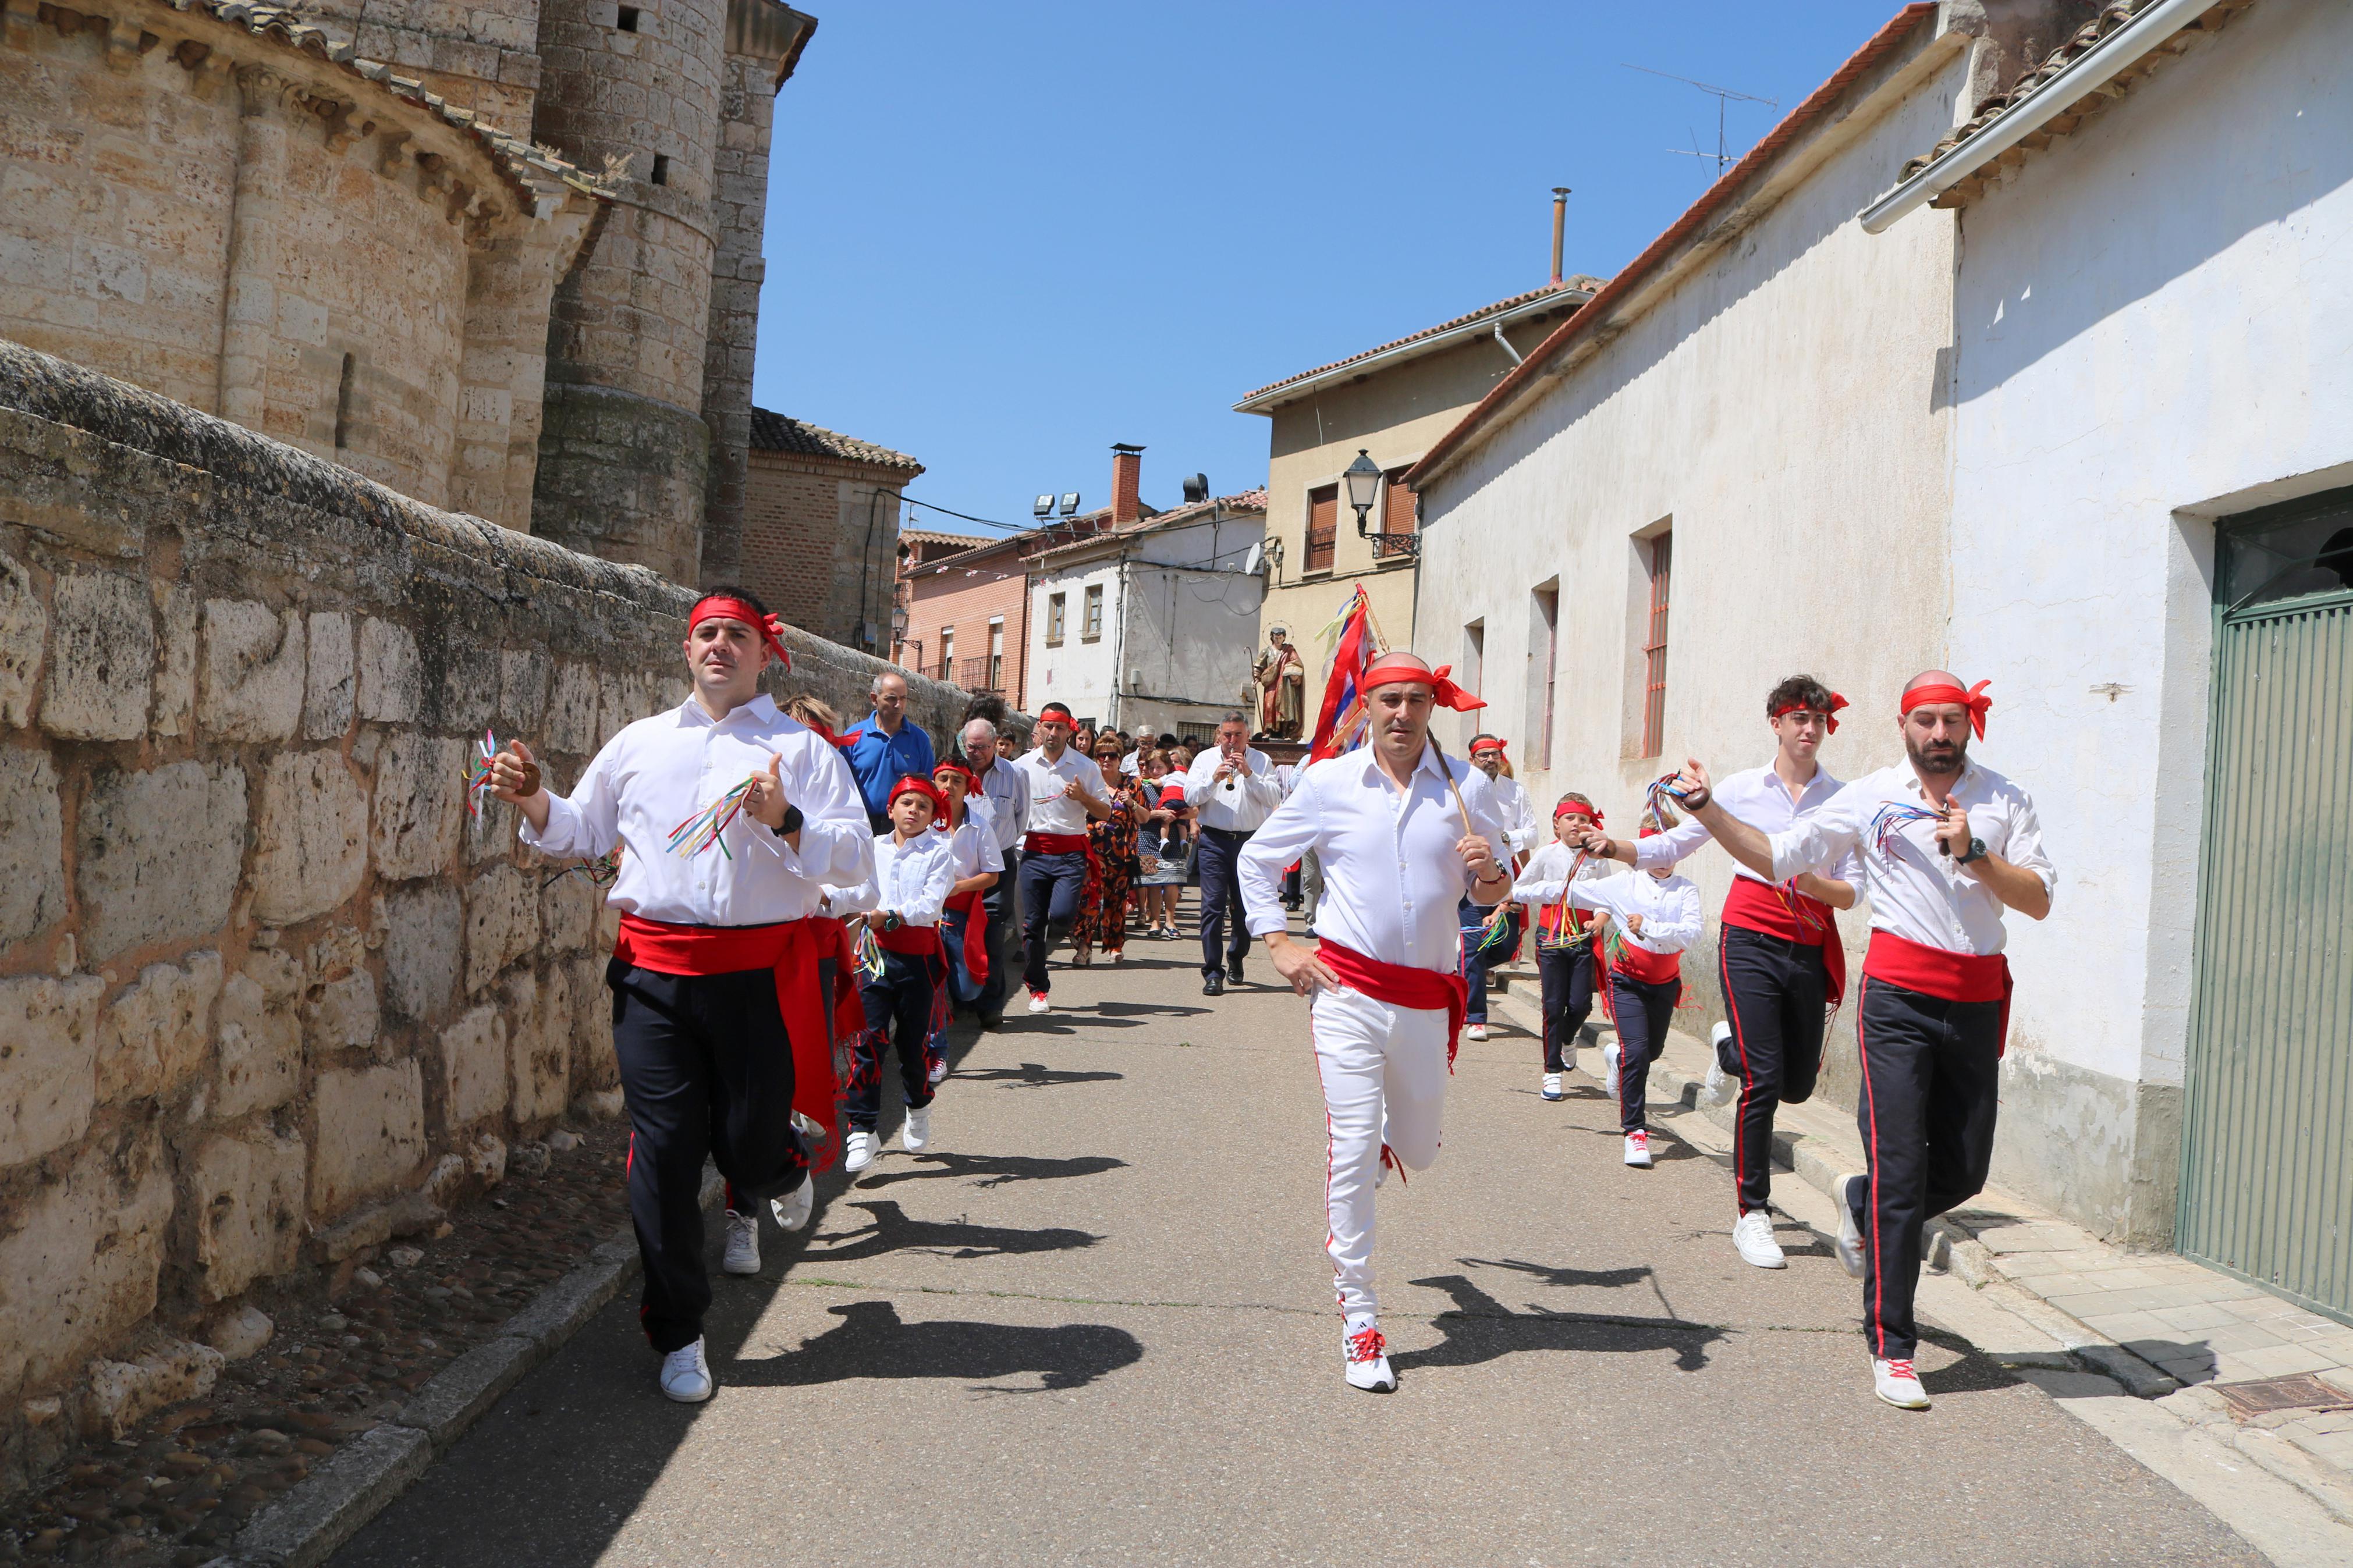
(268, 996)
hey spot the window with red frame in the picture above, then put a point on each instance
(1654, 648)
(1323, 527)
(1397, 516)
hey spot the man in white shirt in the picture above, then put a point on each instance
(1054, 851)
(1006, 788)
(1403, 833)
(718, 1008)
(1945, 845)
(914, 871)
(1521, 835)
(1231, 790)
(1779, 960)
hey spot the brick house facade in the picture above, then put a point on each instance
(965, 613)
(821, 528)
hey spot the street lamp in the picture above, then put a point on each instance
(1364, 480)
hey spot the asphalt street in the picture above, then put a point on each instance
(1095, 1325)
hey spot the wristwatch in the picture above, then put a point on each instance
(1977, 851)
(791, 824)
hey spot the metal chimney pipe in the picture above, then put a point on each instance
(1559, 219)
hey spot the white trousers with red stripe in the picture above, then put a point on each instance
(1384, 1071)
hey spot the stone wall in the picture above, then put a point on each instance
(268, 996)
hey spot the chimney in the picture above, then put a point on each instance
(1126, 480)
(1559, 219)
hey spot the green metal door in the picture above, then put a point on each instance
(2267, 1136)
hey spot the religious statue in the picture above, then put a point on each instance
(1281, 682)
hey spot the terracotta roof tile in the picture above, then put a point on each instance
(1482, 313)
(774, 432)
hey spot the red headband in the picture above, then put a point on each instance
(971, 784)
(1388, 669)
(1570, 809)
(1056, 710)
(1829, 713)
(770, 628)
(1974, 700)
(911, 785)
(844, 741)
(1489, 743)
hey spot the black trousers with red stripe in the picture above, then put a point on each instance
(707, 1070)
(1930, 1091)
(1774, 990)
(1642, 1010)
(1564, 981)
(899, 1015)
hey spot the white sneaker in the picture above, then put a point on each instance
(793, 1210)
(939, 1073)
(743, 1253)
(1038, 1003)
(1850, 1234)
(915, 1133)
(1898, 1384)
(1552, 1086)
(1638, 1150)
(1718, 1088)
(1474, 1031)
(1754, 1238)
(1610, 1070)
(858, 1150)
(1364, 1356)
(685, 1375)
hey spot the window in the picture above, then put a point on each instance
(661, 169)
(344, 405)
(1544, 657)
(1469, 669)
(2286, 552)
(948, 653)
(1196, 733)
(1396, 516)
(1654, 647)
(628, 20)
(996, 654)
(1093, 627)
(1323, 526)
(1056, 613)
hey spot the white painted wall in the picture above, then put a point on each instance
(1079, 671)
(2155, 327)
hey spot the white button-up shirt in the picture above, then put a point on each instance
(1239, 804)
(1546, 869)
(974, 845)
(1670, 907)
(1522, 832)
(913, 878)
(659, 772)
(1915, 892)
(1757, 798)
(1007, 789)
(1051, 809)
(1392, 879)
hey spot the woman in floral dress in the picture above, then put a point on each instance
(1102, 903)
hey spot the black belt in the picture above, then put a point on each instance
(1230, 832)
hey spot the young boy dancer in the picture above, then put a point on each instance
(915, 867)
(1403, 833)
(714, 974)
(1658, 915)
(1566, 937)
(964, 929)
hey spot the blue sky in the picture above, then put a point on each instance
(1002, 237)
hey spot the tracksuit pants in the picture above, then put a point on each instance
(899, 1015)
(1052, 886)
(1384, 1072)
(1642, 1009)
(1930, 1091)
(1004, 904)
(706, 1070)
(1225, 935)
(1564, 982)
(1774, 991)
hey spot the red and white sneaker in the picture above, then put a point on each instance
(1038, 1003)
(1638, 1150)
(1896, 1383)
(1364, 1356)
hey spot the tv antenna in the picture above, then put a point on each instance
(1723, 96)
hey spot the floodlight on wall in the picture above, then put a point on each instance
(1043, 506)
(1070, 502)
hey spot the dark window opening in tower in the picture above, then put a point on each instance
(661, 169)
(628, 22)
(344, 405)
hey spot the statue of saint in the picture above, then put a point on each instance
(1281, 682)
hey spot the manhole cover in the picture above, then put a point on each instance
(2265, 1395)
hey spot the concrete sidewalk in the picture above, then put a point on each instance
(2168, 1330)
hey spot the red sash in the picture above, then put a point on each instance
(916, 942)
(794, 949)
(1055, 844)
(1942, 974)
(1401, 985)
(975, 909)
(1651, 968)
(1754, 905)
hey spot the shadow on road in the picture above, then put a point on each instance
(1141, 1009)
(872, 1340)
(893, 1231)
(1608, 1279)
(996, 1170)
(1481, 1329)
(1035, 1074)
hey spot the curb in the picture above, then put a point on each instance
(1946, 1246)
(305, 1527)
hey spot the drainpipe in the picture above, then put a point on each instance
(1507, 344)
(1118, 639)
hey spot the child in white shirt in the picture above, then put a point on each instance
(914, 868)
(1567, 938)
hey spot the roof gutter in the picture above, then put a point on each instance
(2078, 77)
(1274, 397)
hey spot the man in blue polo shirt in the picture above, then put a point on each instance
(887, 749)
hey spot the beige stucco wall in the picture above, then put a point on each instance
(1783, 408)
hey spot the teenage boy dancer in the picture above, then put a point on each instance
(716, 972)
(914, 868)
(1780, 961)
(1946, 845)
(1404, 834)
